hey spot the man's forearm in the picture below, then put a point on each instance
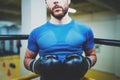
(27, 63)
(93, 57)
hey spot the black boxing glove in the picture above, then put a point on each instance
(35, 65)
(76, 66)
(48, 66)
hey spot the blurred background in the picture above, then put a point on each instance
(19, 17)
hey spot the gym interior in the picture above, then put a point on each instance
(19, 17)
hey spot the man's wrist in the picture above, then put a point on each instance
(31, 65)
(90, 63)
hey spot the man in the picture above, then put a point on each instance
(60, 43)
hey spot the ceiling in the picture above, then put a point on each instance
(11, 9)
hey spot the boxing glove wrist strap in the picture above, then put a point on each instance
(89, 62)
(31, 65)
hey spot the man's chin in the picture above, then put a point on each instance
(59, 17)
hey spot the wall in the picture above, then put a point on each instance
(106, 26)
(33, 15)
(117, 49)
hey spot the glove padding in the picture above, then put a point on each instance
(48, 67)
(76, 66)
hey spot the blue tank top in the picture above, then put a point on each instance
(61, 39)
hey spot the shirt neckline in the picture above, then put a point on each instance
(71, 22)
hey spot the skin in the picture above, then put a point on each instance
(59, 15)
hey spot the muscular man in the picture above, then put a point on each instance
(60, 43)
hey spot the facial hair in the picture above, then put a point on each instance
(60, 16)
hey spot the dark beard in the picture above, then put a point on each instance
(61, 15)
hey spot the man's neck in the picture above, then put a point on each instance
(66, 19)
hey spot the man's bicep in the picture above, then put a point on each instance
(32, 43)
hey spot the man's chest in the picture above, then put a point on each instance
(53, 37)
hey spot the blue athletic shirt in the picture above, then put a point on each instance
(61, 39)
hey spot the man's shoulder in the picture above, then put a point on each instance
(81, 26)
(40, 28)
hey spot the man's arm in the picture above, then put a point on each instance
(29, 56)
(92, 55)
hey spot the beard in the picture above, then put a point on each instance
(58, 13)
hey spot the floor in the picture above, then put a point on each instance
(98, 75)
